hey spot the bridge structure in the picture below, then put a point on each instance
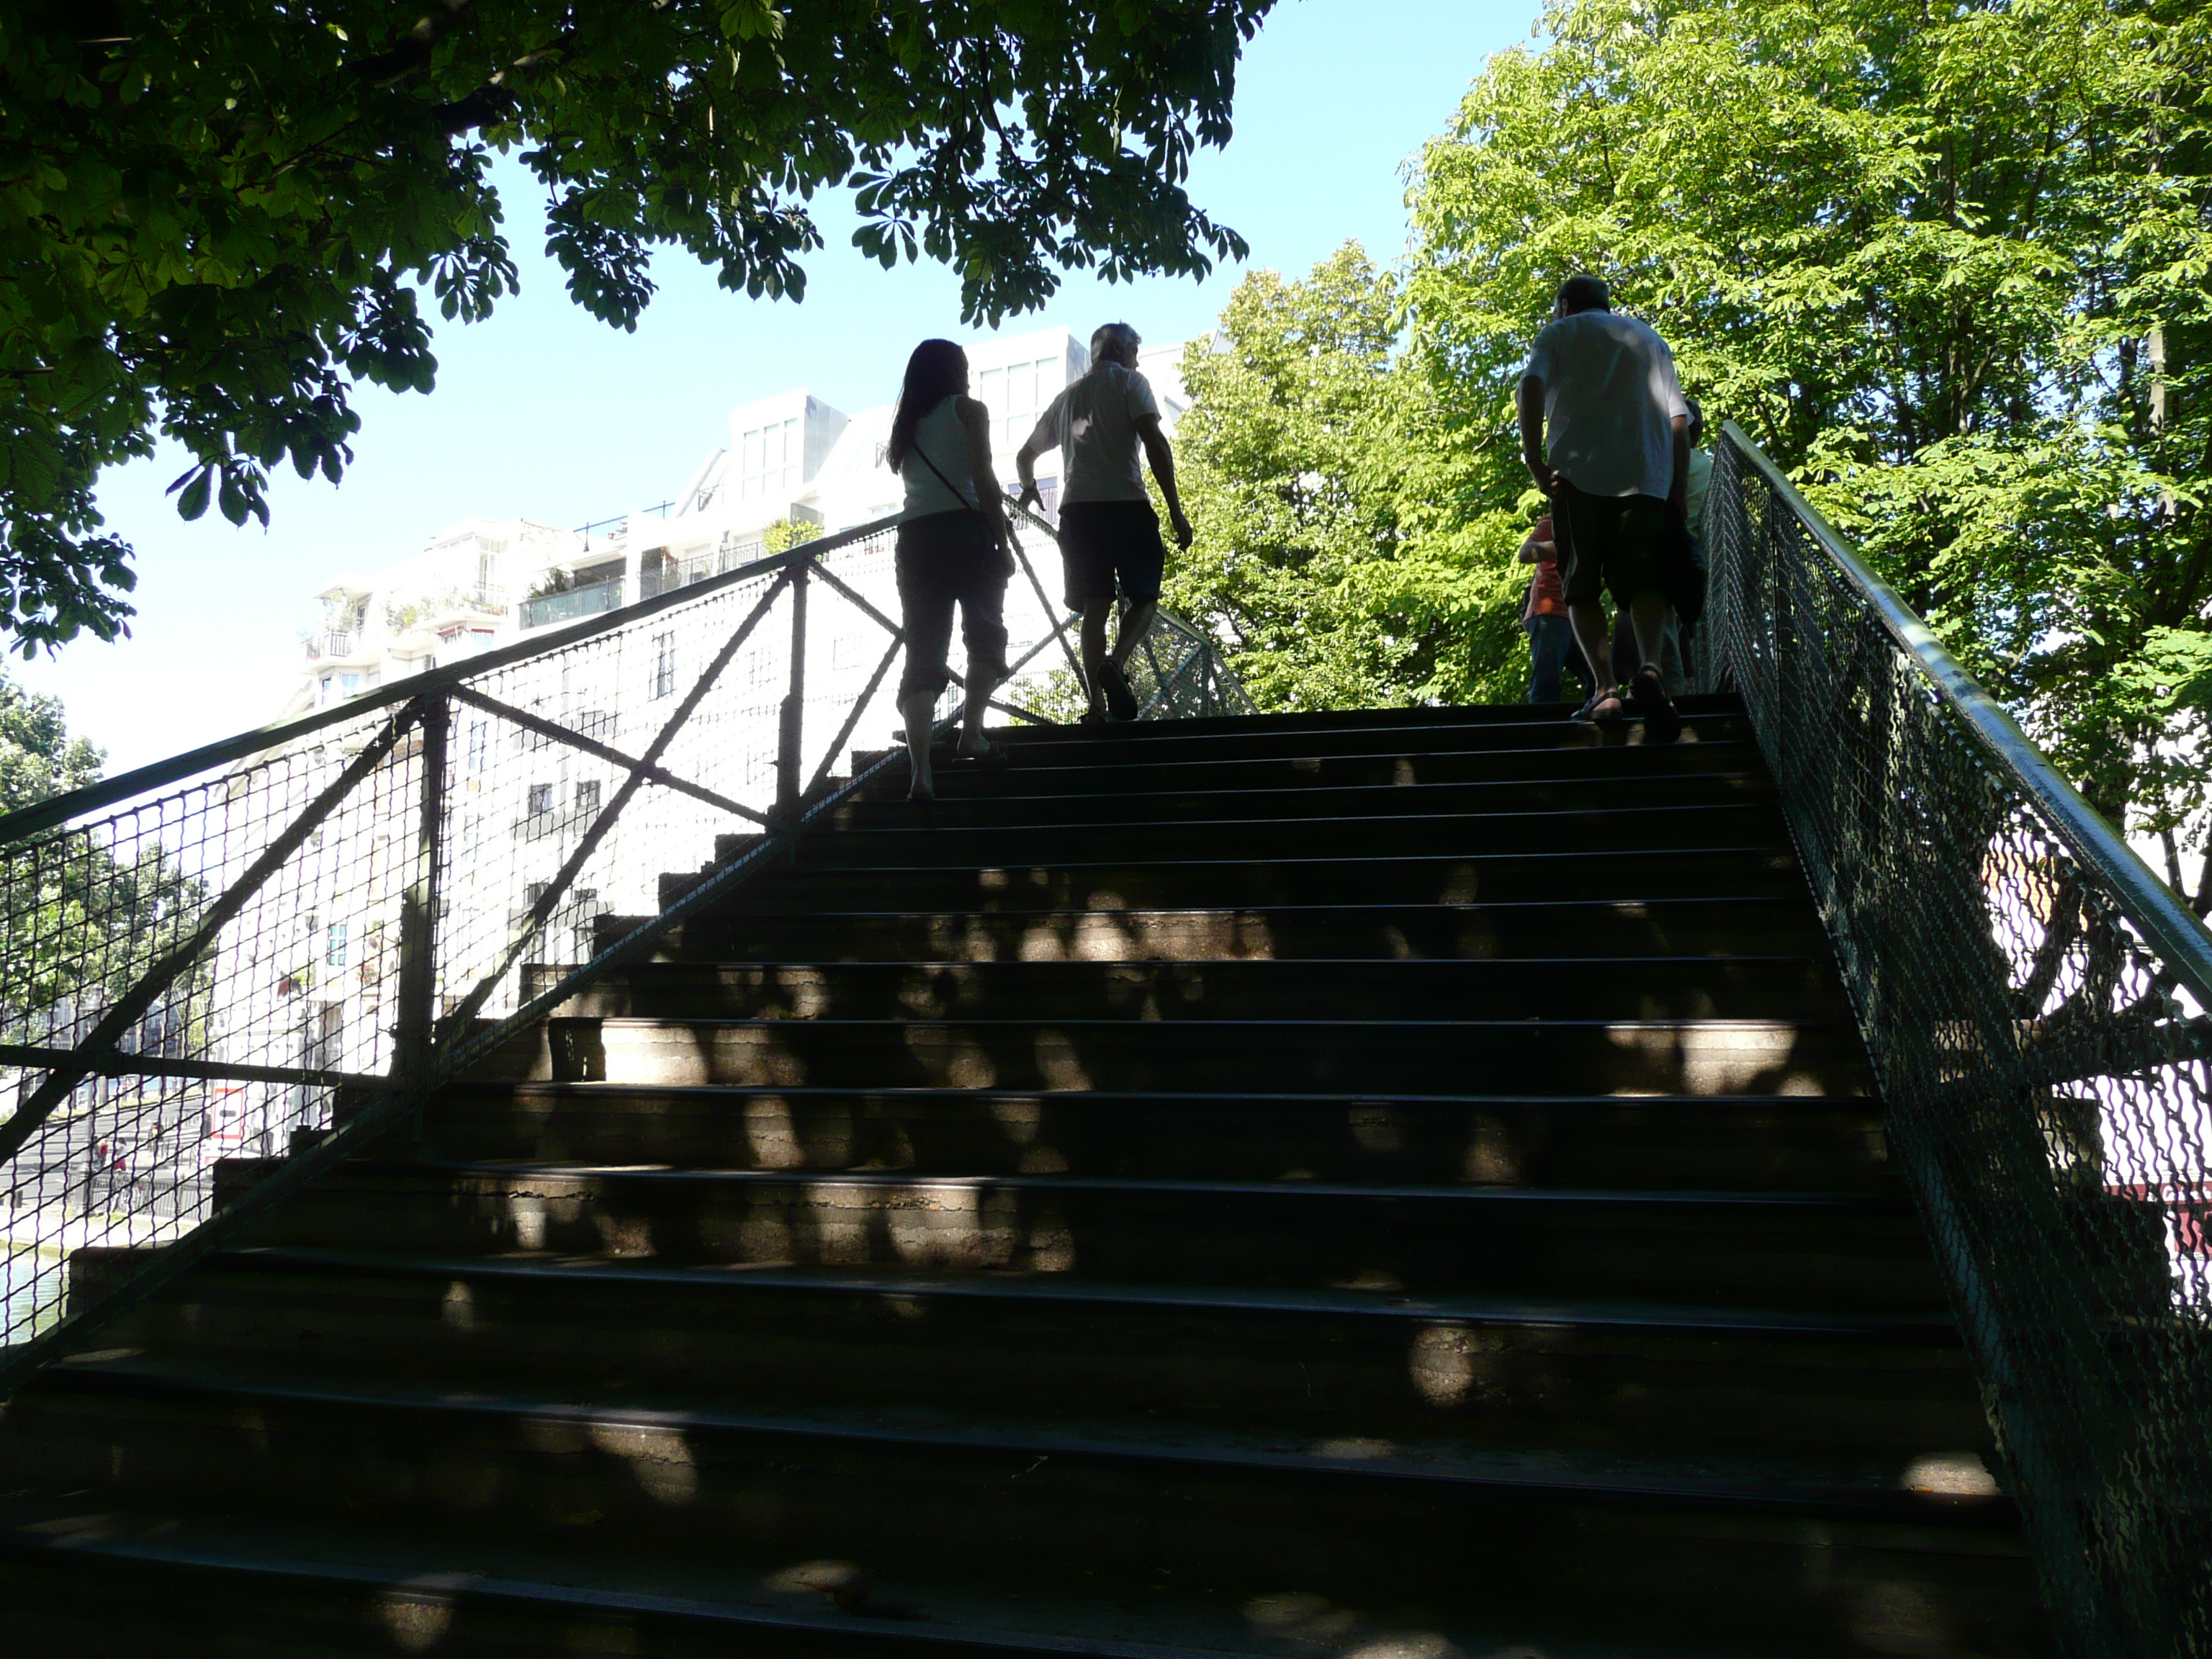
(557, 1155)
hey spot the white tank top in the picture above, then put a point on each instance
(940, 435)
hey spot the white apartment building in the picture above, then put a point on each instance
(482, 582)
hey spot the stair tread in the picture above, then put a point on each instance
(1409, 788)
(774, 1599)
(588, 1089)
(1610, 813)
(1862, 1486)
(1778, 849)
(1918, 1329)
(1844, 1202)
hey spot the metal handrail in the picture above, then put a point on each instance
(2037, 1008)
(59, 809)
(2151, 904)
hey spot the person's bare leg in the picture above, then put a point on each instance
(1648, 612)
(1136, 622)
(915, 711)
(1095, 613)
(1592, 633)
(978, 701)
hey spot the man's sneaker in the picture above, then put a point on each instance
(1121, 699)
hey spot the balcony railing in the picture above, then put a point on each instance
(589, 600)
(672, 573)
(333, 642)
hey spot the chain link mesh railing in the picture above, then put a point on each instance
(2036, 1004)
(271, 947)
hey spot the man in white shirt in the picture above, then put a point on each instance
(1605, 432)
(1107, 530)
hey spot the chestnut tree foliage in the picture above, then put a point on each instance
(216, 217)
(1350, 551)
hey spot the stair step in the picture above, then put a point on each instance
(1170, 742)
(1834, 1250)
(1296, 795)
(1689, 925)
(1653, 830)
(1134, 777)
(1640, 1057)
(225, 1586)
(936, 1490)
(1756, 868)
(1328, 1362)
(1749, 1141)
(1608, 987)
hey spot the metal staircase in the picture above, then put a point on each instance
(1212, 1187)
(1343, 1186)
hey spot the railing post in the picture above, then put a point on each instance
(794, 701)
(415, 1034)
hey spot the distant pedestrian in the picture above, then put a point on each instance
(1604, 430)
(1108, 532)
(952, 550)
(1552, 649)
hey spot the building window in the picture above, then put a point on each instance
(663, 664)
(1016, 395)
(541, 799)
(770, 460)
(479, 745)
(334, 945)
(587, 798)
(348, 684)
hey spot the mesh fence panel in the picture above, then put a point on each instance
(2044, 1067)
(229, 954)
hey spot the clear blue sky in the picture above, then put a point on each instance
(543, 411)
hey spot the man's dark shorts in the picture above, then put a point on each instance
(1613, 542)
(1102, 541)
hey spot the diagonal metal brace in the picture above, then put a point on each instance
(852, 719)
(870, 611)
(456, 1022)
(99, 1045)
(659, 775)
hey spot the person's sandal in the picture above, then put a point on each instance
(1603, 708)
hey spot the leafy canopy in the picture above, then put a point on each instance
(1950, 268)
(1343, 554)
(218, 217)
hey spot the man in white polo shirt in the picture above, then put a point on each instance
(1605, 432)
(1108, 532)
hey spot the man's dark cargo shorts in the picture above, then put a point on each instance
(1102, 541)
(1613, 542)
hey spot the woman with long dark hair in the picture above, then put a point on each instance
(952, 548)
